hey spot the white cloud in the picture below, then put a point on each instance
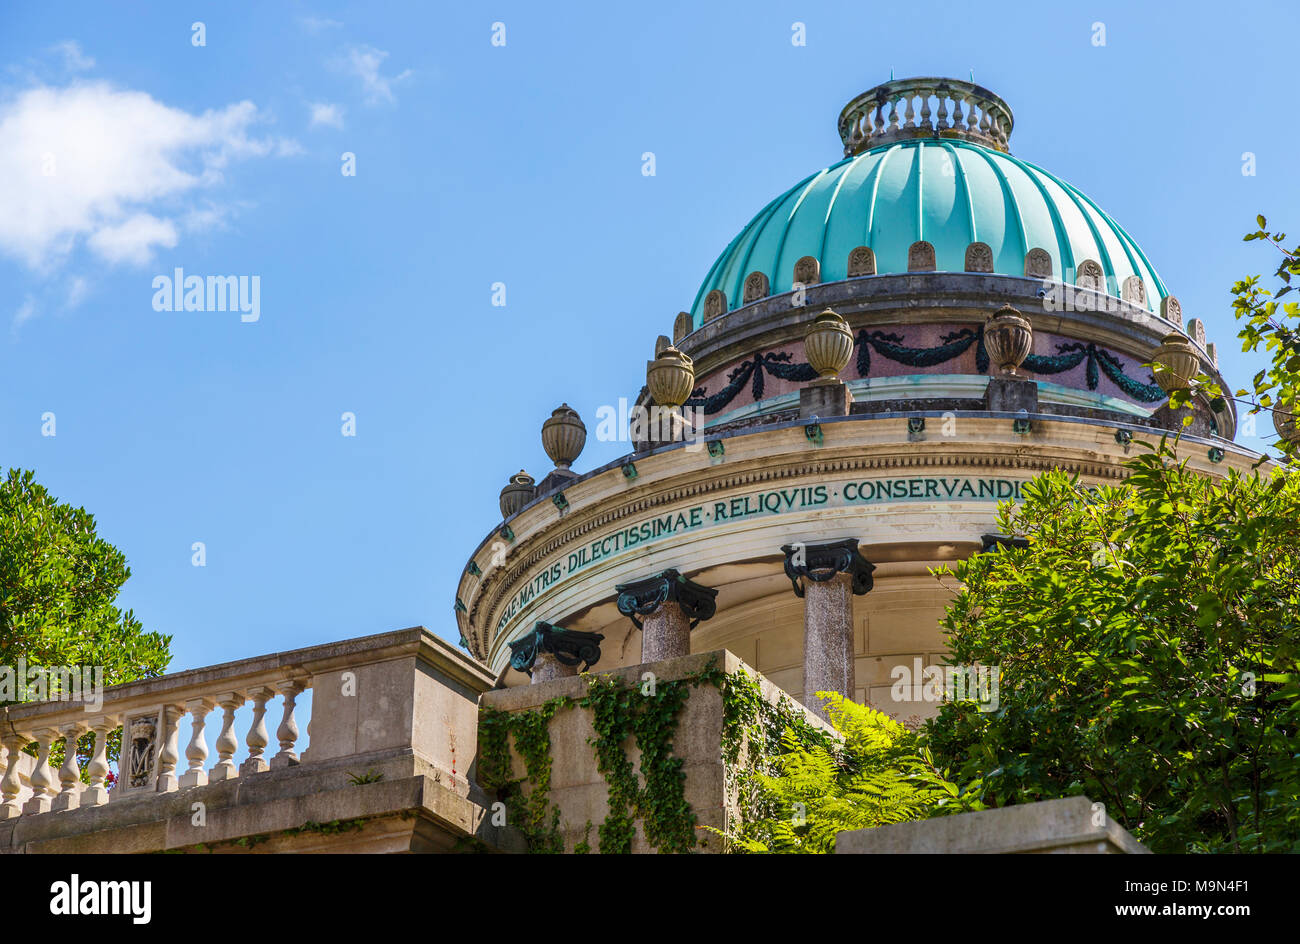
(78, 289)
(364, 63)
(134, 239)
(323, 113)
(26, 311)
(316, 24)
(74, 60)
(109, 168)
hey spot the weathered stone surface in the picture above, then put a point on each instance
(1074, 825)
(824, 400)
(1005, 395)
(828, 640)
(665, 633)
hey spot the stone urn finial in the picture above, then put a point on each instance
(563, 436)
(670, 377)
(1008, 338)
(1180, 362)
(519, 491)
(828, 345)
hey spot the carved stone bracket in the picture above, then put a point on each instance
(821, 562)
(569, 646)
(643, 597)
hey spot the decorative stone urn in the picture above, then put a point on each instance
(828, 346)
(670, 377)
(1008, 338)
(1285, 424)
(519, 491)
(563, 436)
(1180, 362)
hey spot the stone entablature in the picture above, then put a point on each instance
(552, 570)
(925, 343)
(938, 304)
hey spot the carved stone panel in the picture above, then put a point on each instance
(1134, 290)
(920, 257)
(862, 261)
(979, 257)
(1090, 275)
(1196, 328)
(1038, 264)
(715, 304)
(142, 740)
(682, 325)
(808, 271)
(756, 286)
(1171, 310)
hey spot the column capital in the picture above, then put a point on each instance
(642, 597)
(822, 562)
(569, 646)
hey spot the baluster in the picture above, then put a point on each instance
(169, 755)
(893, 114)
(227, 743)
(926, 114)
(957, 118)
(985, 122)
(971, 120)
(878, 118)
(97, 770)
(257, 738)
(941, 116)
(12, 784)
(197, 752)
(42, 775)
(909, 116)
(69, 797)
(287, 733)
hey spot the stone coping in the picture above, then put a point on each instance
(1074, 825)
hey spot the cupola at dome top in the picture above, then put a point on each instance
(901, 110)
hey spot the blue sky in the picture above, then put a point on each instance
(478, 164)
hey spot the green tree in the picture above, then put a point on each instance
(58, 583)
(1147, 645)
(880, 775)
(1273, 325)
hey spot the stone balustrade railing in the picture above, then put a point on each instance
(901, 109)
(371, 684)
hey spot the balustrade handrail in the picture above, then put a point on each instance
(889, 113)
(152, 708)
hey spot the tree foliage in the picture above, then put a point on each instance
(1147, 640)
(879, 776)
(58, 583)
(1273, 325)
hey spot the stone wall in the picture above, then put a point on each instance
(579, 790)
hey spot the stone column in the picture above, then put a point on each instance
(827, 576)
(551, 652)
(669, 607)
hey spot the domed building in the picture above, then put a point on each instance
(886, 351)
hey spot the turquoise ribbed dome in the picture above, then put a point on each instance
(949, 193)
